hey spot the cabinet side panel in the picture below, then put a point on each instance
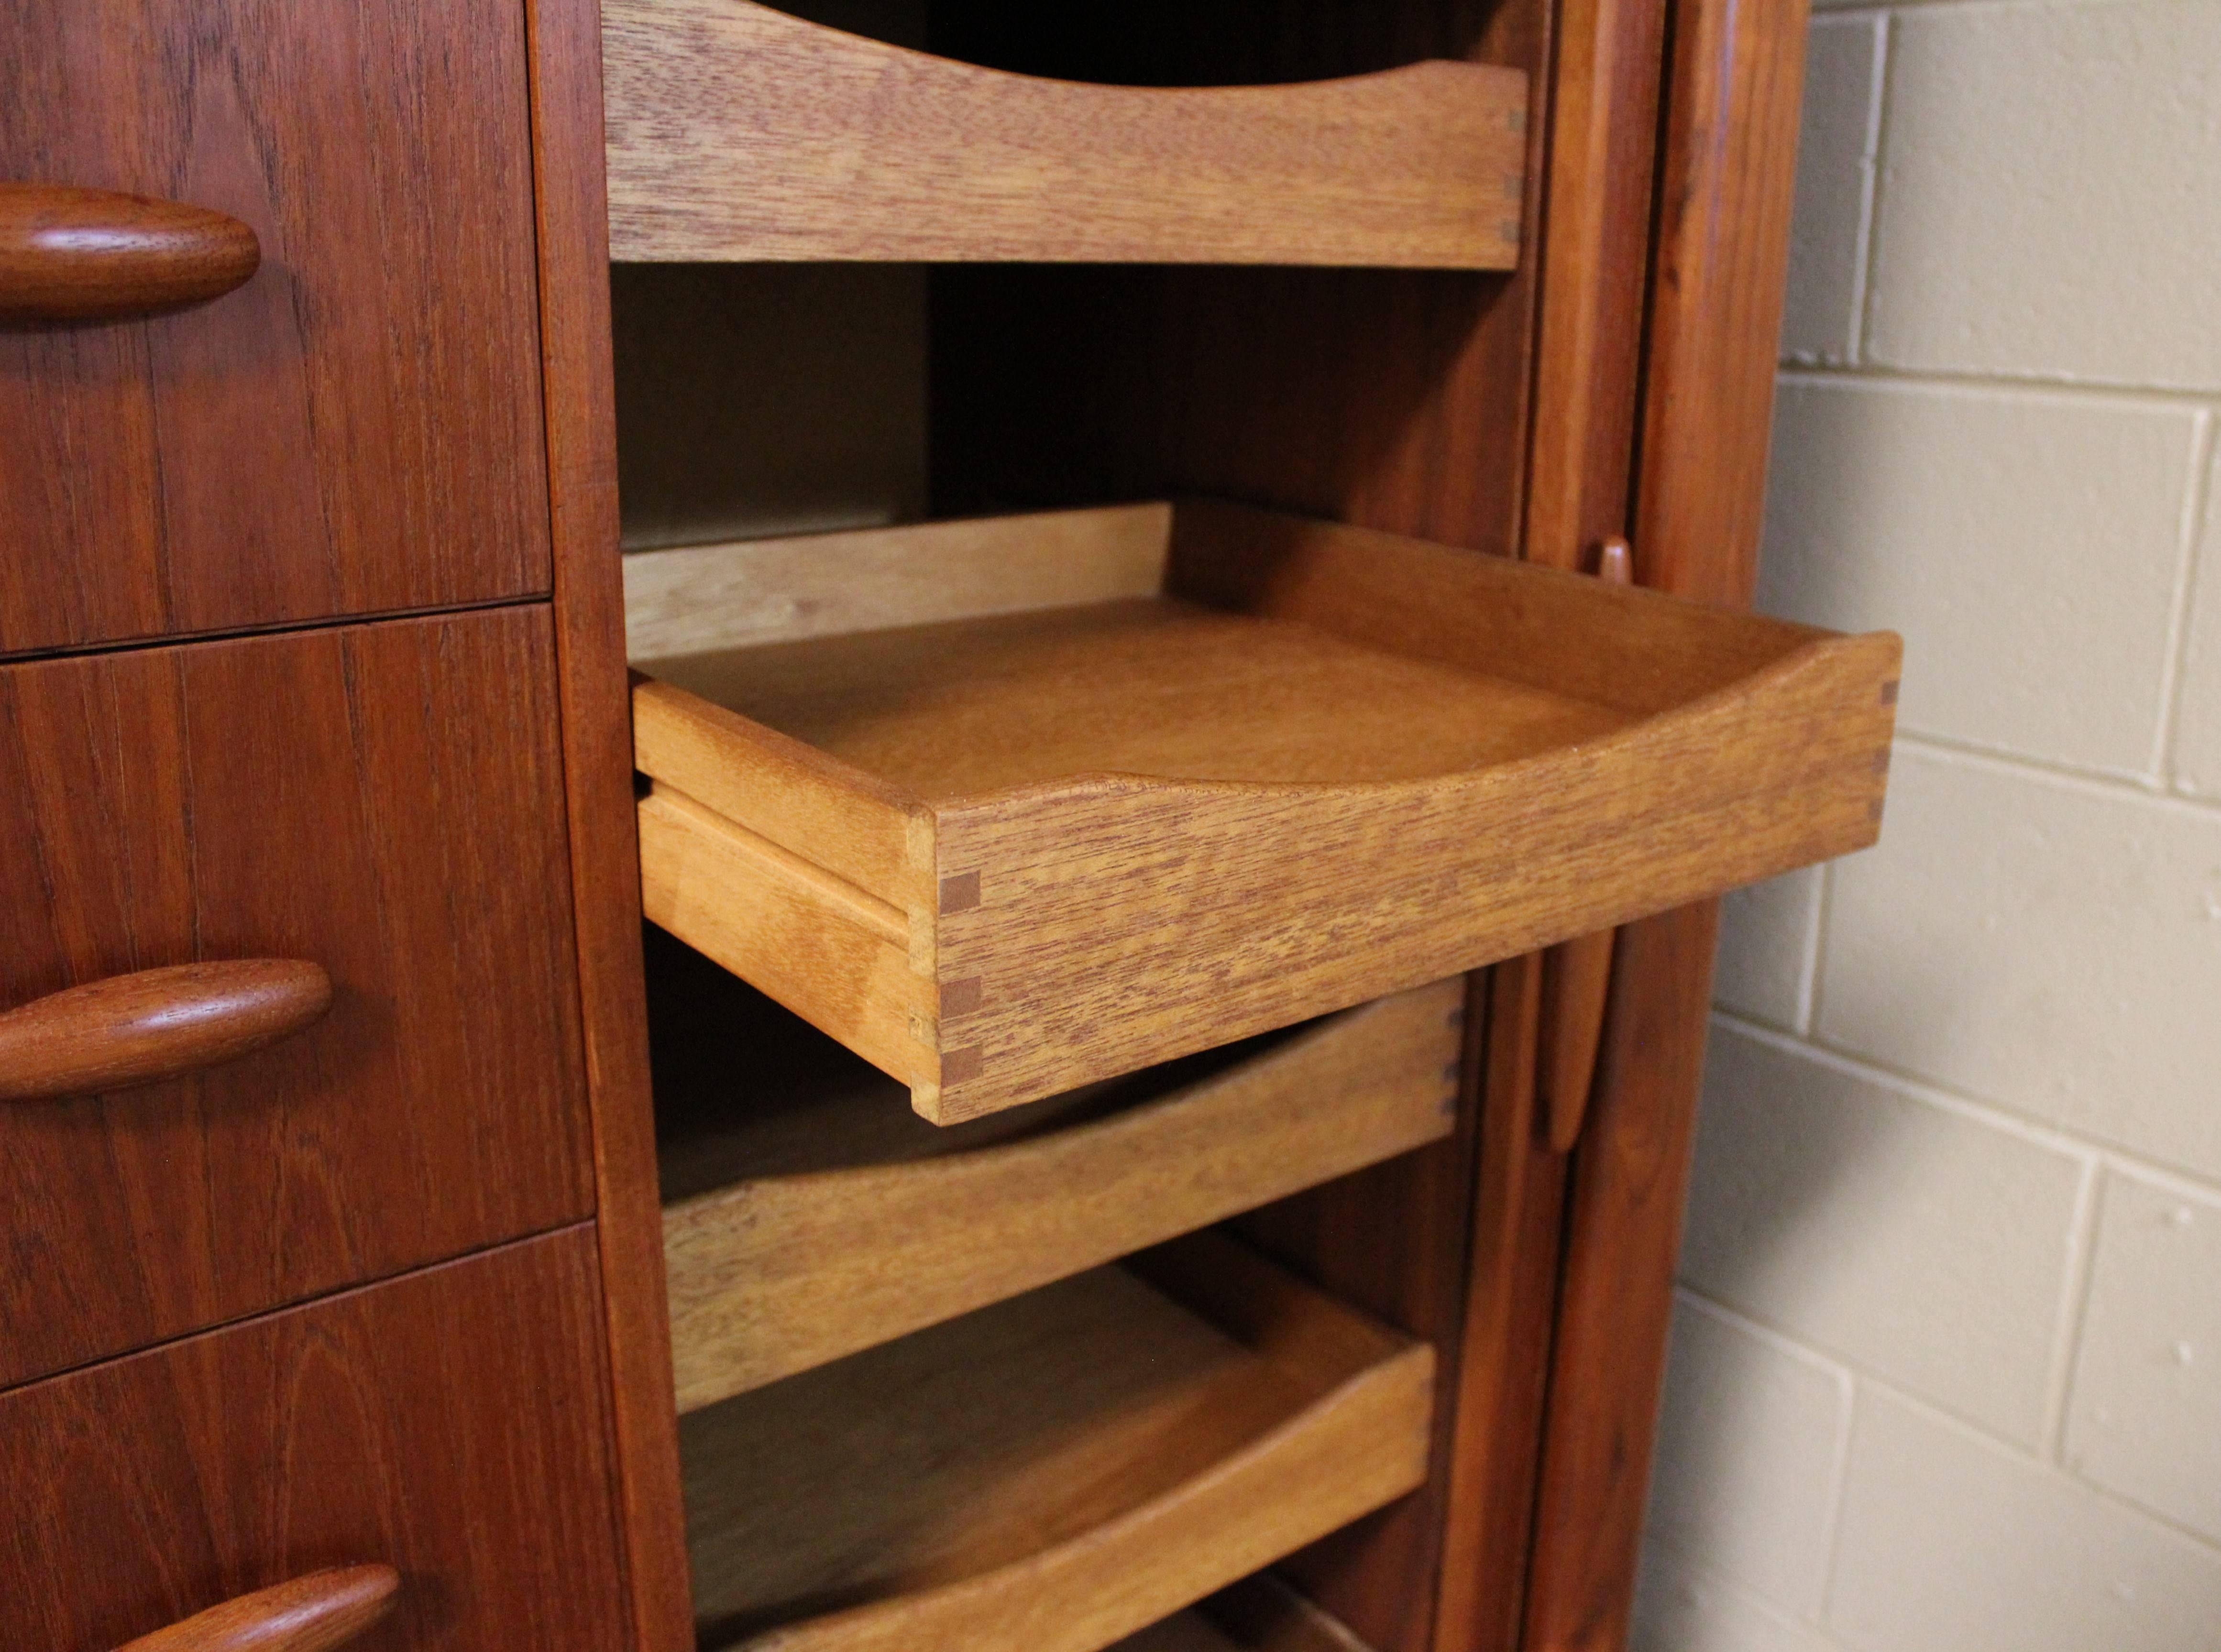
(564, 45)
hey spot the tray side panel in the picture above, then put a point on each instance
(858, 829)
(738, 132)
(1611, 645)
(1359, 1447)
(1120, 922)
(828, 952)
(705, 598)
(773, 1277)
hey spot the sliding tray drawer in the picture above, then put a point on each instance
(1054, 1472)
(810, 1213)
(1221, 771)
(738, 132)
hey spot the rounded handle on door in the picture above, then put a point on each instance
(309, 1614)
(156, 1025)
(74, 254)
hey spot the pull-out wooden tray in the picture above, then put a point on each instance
(738, 132)
(799, 1230)
(1226, 771)
(1054, 1472)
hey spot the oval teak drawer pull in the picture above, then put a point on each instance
(74, 254)
(156, 1025)
(309, 1614)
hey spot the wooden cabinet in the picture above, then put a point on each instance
(381, 801)
(451, 1425)
(329, 1189)
(355, 430)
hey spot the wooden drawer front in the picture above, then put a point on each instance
(451, 1425)
(382, 800)
(354, 430)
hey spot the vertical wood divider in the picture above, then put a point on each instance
(564, 41)
(1726, 178)
(1607, 61)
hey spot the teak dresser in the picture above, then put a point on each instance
(1050, 997)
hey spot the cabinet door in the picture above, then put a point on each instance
(383, 801)
(355, 430)
(451, 1425)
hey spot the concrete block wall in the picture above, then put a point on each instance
(1947, 1365)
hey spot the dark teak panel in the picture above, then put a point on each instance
(384, 800)
(355, 430)
(451, 1425)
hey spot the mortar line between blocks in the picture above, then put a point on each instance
(2101, 1494)
(1812, 966)
(1867, 374)
(1870, 204)
(2117, 784)
(2074, 1308)
(2187, 1184)
(2196, 502)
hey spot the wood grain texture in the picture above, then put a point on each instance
(156, 1024)
(1397, 400)
(1121, 815)
(383, 359)
(777, 1273)
(313, 1613)
(451, 1425)
(1054, 1472)
(710, 597)
(1602, 119)
(740, 133)
(1719, 271)
(1510, 1302)
(319, 796)
(1577, 975)
(1616, 1299)
(566, 77)
(74, 255)
(1726, 176)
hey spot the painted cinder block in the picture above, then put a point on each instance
(1768, 935)
(1835, 167)
(2046, 943)
(1679, 1609)
(1950, 1542)
(1745, 1485)
(2145, 1420)
(2027, 544)
(1915, 1243)
(2047, 205)
(2198, 710)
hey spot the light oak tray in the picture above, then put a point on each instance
(737, 132)
(1004, 855)
(805, 1229)
(1054, 1472)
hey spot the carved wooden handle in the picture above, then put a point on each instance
(72, 254)
(309, 1614)
(158, 1024)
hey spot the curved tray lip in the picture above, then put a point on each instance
(1098, 784)
(1092, 1132)
(1333, 88)
(803, 1635)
